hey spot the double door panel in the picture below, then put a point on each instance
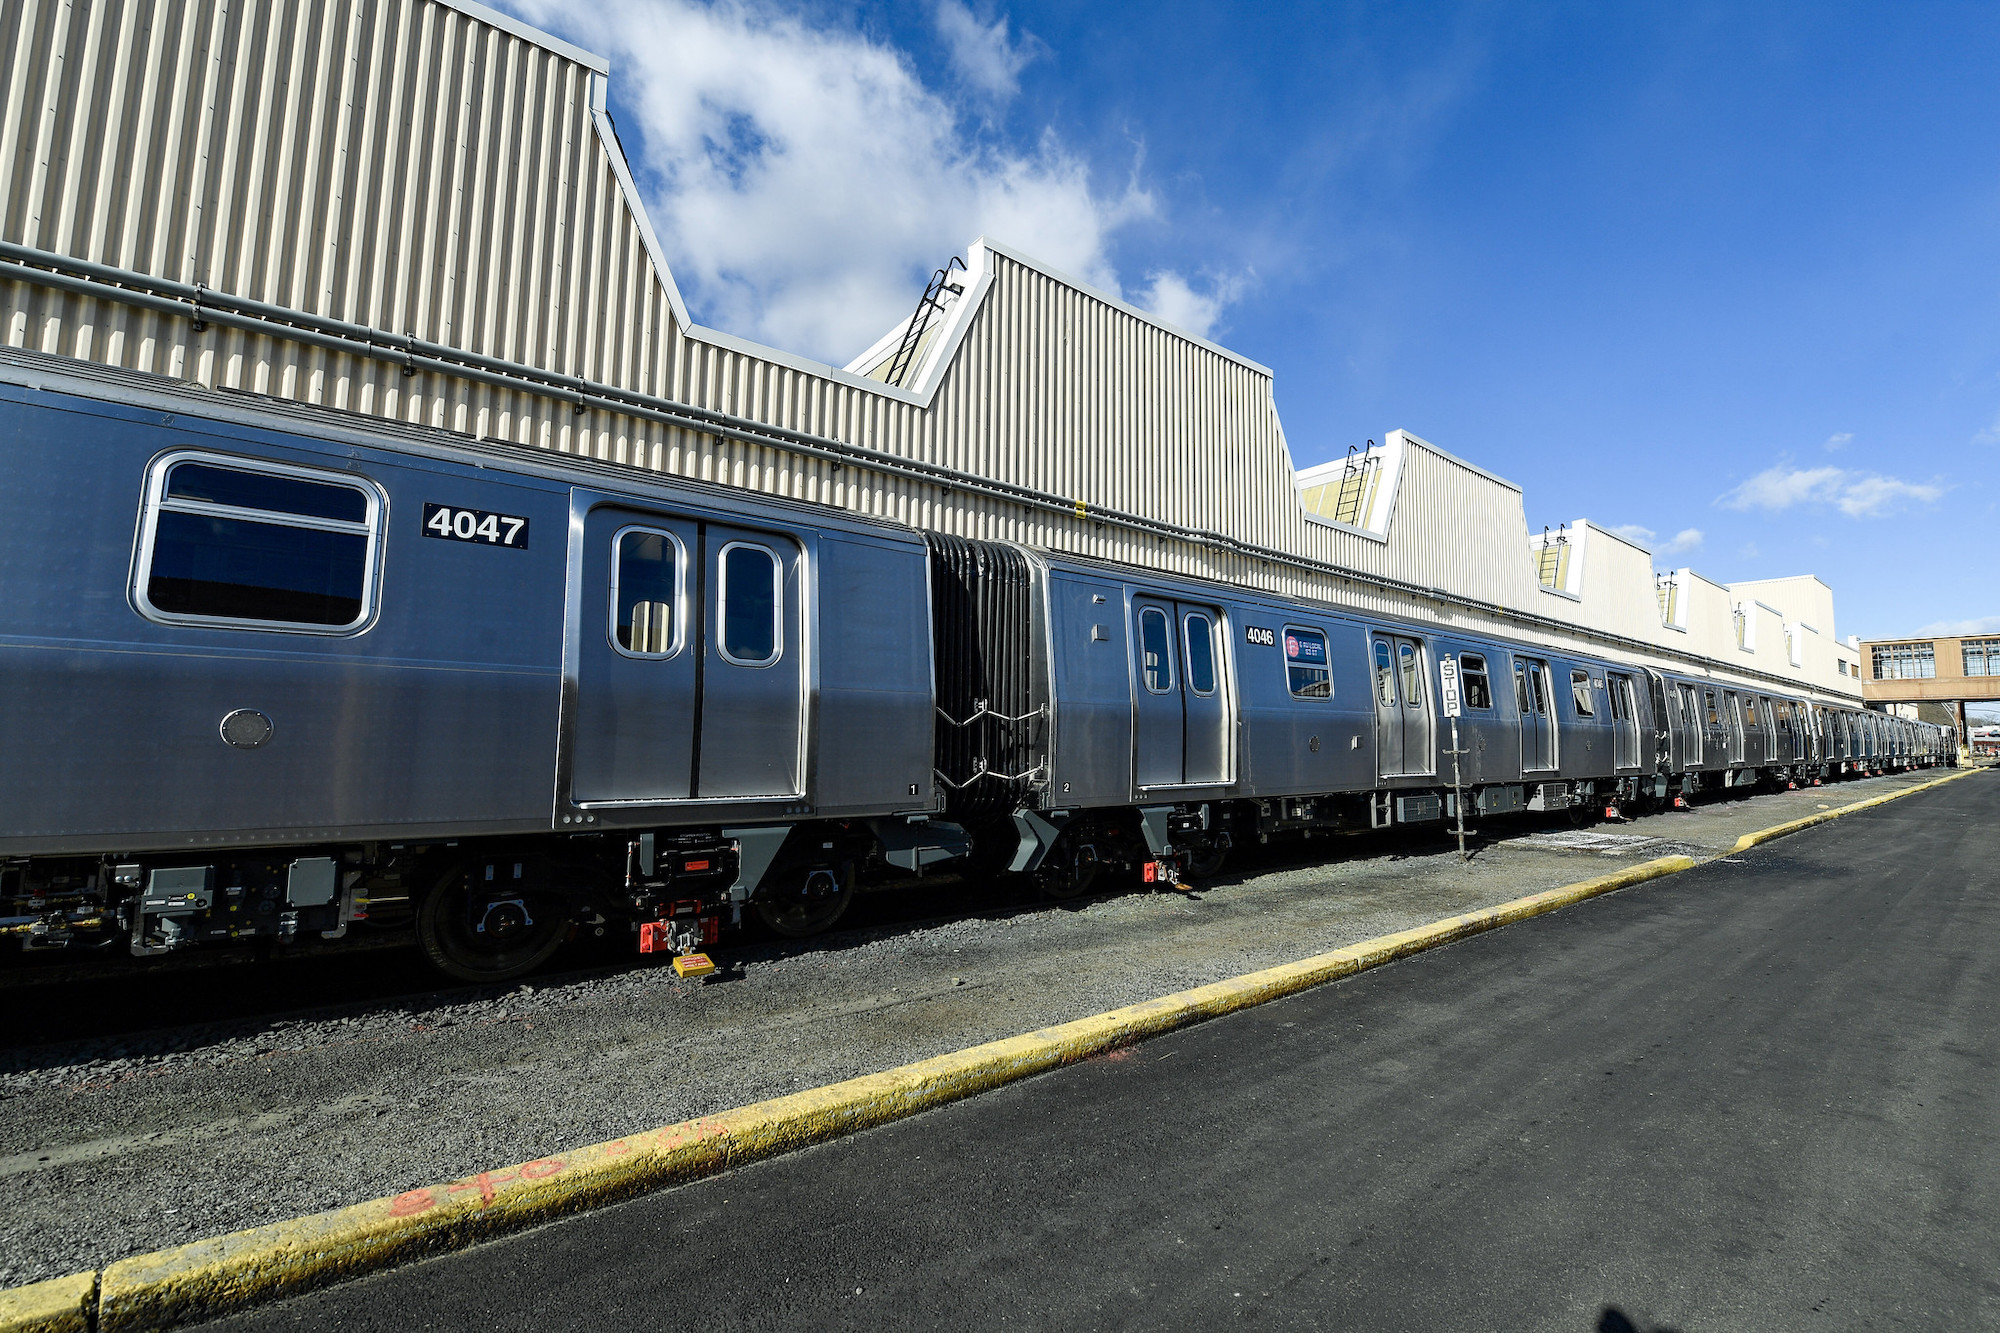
(1624, 721)
(1182, 717)
(1688, 729)
(1404, 723)
(689, 661)
(1535, 697)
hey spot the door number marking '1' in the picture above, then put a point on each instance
(475, 525)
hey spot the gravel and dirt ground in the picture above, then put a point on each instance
(172, 1105)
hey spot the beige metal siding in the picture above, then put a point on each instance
(408, 167)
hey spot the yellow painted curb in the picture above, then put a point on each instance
(1749, 840)
(209, 1277)
(60, 1305)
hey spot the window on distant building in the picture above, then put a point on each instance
(1906, 661)
(1982, 657)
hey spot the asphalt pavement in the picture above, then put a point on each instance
(1762, 1094)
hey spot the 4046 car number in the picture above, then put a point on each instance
(475, 525)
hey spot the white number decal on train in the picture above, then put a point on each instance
(475, 525)
(1260, 636)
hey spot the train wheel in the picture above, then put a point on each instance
(484, 938)
(1207, 863)
(1067, 871)
(813, 903)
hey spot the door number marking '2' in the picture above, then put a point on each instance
(475, 525)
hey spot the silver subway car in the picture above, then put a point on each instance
(274, 670)
(271, 672)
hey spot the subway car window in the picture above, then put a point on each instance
(645, 583)
(264, 491)
(1157, 644)
(1201, 654)
(1413, 675)
(1579, 691)
(1308, 672)
(751, 602)
(1472, 676)
(247, 547)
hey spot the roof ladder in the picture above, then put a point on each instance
(1357, 478)
(920, 321)
(1552, 561)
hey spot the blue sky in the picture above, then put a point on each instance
(1726, 274)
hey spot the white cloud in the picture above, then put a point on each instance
(1956, 628)
(1837, 442)
(804, 178)
(1174, 299)
(985, 56)
(1856, 494)
(1865, 497)
(1991, 435)
(1687, 539)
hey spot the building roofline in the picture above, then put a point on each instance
(527, 32)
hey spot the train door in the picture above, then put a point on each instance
(1205, 697)
(1181, 717)
(638, 658)
(1733, 718)
(1538, 727)
(1403, 728)
(753, 670)
(1691, 731)
(1624, 722)
(1715, 731)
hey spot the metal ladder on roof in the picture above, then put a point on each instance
(1552, 561)
(929, 304)
(1357, 478)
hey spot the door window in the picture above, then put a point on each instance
(645, 590)
(1538, 686)
(1201, 654)
(1413, 674)
(1385, 677)
(751, 607)
(1521, 690)
(1157, 644)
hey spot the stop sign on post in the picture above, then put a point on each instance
(1448, 676)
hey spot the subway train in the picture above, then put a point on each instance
(276, 671)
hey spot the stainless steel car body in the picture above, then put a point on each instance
(482, 695)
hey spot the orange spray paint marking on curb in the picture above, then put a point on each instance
(412, 1202)
(484, 1182)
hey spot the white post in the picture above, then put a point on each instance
(1448, 678)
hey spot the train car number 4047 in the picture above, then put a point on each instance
(475, 525)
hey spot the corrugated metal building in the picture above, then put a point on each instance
(419, 209)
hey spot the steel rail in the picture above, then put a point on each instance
(200, 305)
